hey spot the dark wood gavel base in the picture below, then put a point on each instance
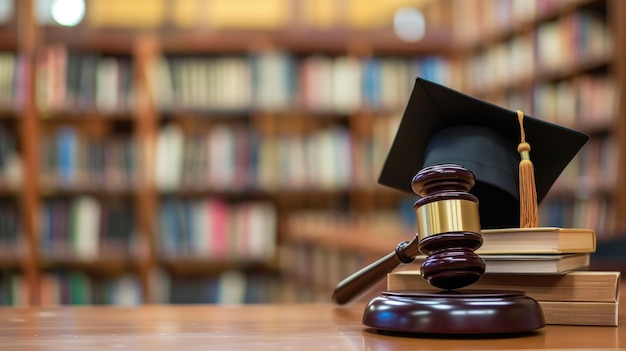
(464, 311)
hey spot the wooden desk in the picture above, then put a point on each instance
(254, 327)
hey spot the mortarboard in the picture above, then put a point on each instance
(441, 125)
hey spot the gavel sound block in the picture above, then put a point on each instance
(448, 227)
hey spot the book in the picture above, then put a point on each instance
(535, 264)
(581, 286)
(530, 264)
(169, 154)
(580, 313)
(575, 298)
(86, 211)
(540, 240)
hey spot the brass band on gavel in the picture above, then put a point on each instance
(447, 216)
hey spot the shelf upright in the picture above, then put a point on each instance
(145, 54)
(29, 136)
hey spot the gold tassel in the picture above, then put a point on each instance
(527, 189)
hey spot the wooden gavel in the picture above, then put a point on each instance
(448, 226)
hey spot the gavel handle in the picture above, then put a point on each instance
(365, 278)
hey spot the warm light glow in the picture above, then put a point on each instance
(6, 10)
(68, 12)
(409, 24)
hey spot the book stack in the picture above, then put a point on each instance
(548, 264)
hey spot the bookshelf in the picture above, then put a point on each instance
(565, 61)
(127, 125)
(558, 60)
(162, 164)
(292, 144)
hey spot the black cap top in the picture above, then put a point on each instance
(441, 125)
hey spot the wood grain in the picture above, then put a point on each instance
(251, 327)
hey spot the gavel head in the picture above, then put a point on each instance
(448, 226)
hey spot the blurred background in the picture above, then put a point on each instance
(227, 151)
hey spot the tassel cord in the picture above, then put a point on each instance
(527, 189)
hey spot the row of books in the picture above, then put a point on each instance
(500, 65)
(77, 81)
(10, 159)
(10, 229)
(236, 157)
(217, 230)
(85, 228)
(71, 288)
(228, 287)
(581, 197)
(597, 163)
(593, 170)
(320, 267)
(585, 100)
(231, 158)
(479, 19)
(225, 156)
(585, 212)
(575, 40)
(277, 80)
(70, 158)
(8, 80)
(252, 161)
(88, 82)
(222, 157)
(574, 37)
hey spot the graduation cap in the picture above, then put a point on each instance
(441, 125)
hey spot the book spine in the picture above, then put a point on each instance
(571, 287)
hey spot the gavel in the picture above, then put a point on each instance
(448, 232)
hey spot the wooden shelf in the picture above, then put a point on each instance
(206, 267)
(9, 190)
(351, 240)
(83, 38)
(98, 191)
(9, 113)
(260, 193)
(108, 266)
(195, 42)
(254, 112)
(88, 116)
(8, 39)
(11, 263)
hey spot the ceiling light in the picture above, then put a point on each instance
(409, 24)
(68, 12)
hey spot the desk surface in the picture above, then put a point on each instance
(253, 327)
